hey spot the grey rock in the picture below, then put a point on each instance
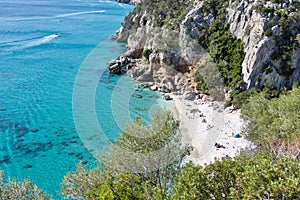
(190, 96)
(115, 69)
(167, 97)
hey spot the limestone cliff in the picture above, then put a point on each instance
(269, 32)
(266, 30)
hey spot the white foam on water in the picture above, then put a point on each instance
(79, 13)
(23, 18)
(34, 42)
(43, 40)
(51, 17)
(121, 5)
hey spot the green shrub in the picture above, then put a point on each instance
(273, 119)
(258, 176)
(268, 32)
(145, 62)
(280, 13)
(146, 53)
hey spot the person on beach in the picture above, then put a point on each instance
(217, 145)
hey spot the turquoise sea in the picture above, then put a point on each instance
(44, 44)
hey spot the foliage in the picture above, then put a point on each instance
(146, 53)
(154, 153)
(169, 13)
(201, 84)
(25, 190)
(243, 97)
(274, 123)
(268, 32)
(280, 13)
(257, 176)
(226, 51)
(76, 185)
(145, 62)
(143, 163)
(298, 37)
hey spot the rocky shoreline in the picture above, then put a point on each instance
(162, 81)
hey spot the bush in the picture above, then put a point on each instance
(274, 121)
(25, 190)
(146, 53)
(268, 32)
(130, 169)
(280, 13)
(259, 176)
(145, 62)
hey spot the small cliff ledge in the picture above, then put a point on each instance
(132, 2)
(251, 43)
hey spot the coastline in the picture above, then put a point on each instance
(203, 124)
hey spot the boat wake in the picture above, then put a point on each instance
(52, 17)
(33, 43)
(79, 13)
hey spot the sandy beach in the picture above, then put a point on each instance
(204, 124)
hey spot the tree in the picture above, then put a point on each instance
(153, 153)
(25, 190)
(143, 163)
(76, 184)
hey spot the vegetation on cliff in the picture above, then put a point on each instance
(274, 124)
(226, 51)
(168, 13)
(283, 28)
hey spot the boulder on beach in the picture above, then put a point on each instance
(190, 96)
(153, 87)
(167, 97)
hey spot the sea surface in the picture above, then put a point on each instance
(46, 47)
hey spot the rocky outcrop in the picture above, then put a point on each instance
(132, 2)
(174, 52)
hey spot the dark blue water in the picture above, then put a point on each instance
(43, 46)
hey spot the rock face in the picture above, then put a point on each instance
(259, 26)
(250, 25)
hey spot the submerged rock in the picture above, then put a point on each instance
(34, 130)
(27, 166)
(137, 96)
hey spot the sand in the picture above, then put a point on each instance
(203, 124)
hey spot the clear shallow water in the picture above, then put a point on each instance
(42, 46)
